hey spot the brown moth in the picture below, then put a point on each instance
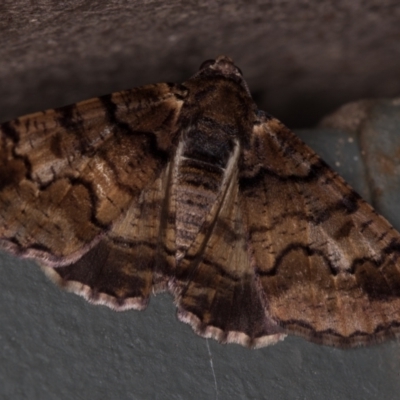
(189, 188)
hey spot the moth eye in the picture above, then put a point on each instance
(206, 64)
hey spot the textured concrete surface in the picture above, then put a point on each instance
(301, 60)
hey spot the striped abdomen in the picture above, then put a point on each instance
(198, 185)
(200, 179)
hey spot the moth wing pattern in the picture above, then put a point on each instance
(188, 188)
(129, 262)
(68, 174)
(216, 290)
(327, 262)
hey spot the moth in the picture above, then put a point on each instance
(189, 188)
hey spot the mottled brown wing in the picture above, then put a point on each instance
(131, 260)
(67, 174)
(327, 263)
(216, 290)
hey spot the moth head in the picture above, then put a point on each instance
(222, 66)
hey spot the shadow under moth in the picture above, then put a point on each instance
(189, 188)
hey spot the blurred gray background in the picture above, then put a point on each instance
(301, 60)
